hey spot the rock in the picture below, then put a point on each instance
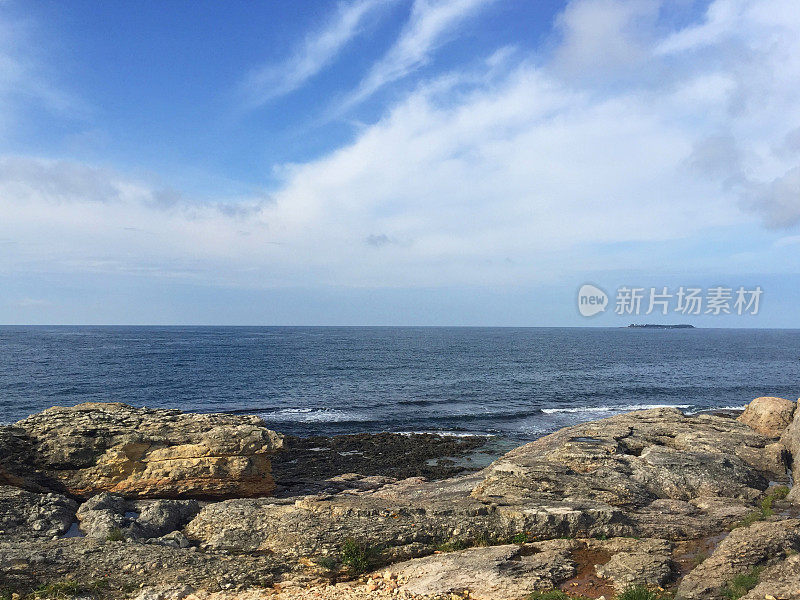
(497, 573)
(768, 416)
(656, 473)
(146, 453)
(29, 514)
(759, 544)
(160, 517)
(778, 582)
(637, 562)
(102, 515)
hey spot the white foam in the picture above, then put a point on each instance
(314, 415)
(608, 409)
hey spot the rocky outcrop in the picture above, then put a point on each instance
(144, 453)
(761, 544)
(591, 509)
(656, 473)
(768, 415)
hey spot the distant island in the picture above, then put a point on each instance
(656, 326)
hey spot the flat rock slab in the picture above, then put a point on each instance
(498, 573)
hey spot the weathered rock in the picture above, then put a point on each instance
(637, 562)
(632, 459)
(497, 573)
(145, 453)
(102, 515)
(160, 517)
(780, 581)
(615, 477)
(29, 514)
(760, 544)
(407, 519)
(769, 416)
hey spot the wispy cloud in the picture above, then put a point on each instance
(319, 50)
(24, 78)
(431, 24)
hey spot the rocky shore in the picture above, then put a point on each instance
(111, 501)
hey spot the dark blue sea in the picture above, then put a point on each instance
(515, 383)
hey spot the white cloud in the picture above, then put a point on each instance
(317, 52)
(529, 173)
(431, 24)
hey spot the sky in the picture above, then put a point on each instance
(396, 162)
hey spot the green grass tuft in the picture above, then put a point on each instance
(69, 589)
(741, 584)
(115, 535)
(357, 557)
(519, 538)
(638, 592)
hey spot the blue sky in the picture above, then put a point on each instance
(394, 161)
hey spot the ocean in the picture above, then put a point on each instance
(508, 382)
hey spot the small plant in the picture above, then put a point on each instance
(481, 540)
(452, 546)
(741, 584)
(779, 492)
(69, 589)
(638, 592)
(115, 535)
(600, 536)
(357, 557)
(701, 556)
(519, 538)
(327, 562)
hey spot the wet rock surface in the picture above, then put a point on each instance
(590, 509)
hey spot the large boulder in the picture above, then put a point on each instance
(145, 453)
(768, 416)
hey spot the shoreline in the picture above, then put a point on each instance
(145, 504)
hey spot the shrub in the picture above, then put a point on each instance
(519, 538)
(357, 557)
(115, 535)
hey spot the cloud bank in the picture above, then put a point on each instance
(526, 169)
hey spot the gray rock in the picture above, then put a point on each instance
(159, 517)
(30, 514)
(760, 544)
(781, 581)
(499, 572)
(102, 514)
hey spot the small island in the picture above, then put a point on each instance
(656, 326)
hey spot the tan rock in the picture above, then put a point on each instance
(769, 416)
(146, 453)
